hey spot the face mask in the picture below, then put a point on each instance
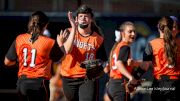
(83, 26)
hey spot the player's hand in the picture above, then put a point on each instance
(72, 21)
(132, 84)
(56, 81)
(130, 62)
(61, 37)
(106, 66)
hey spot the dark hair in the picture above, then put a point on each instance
(96, 28)
(170, 47)
(85, 10)
(37, 22)
(121, 28)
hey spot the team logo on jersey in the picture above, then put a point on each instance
(84, 45)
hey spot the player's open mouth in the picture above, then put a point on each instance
(132, 38)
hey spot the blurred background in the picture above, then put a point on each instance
(109, 14)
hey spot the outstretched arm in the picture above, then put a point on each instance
(144, 65)
(147, 59)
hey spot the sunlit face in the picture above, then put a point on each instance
(129, 34)
(84, 18)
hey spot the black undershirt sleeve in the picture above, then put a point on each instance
(148, 53)
(57, 52)
(11, 54)
(101, 53)
(124, 54)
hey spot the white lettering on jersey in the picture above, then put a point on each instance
(83, 45)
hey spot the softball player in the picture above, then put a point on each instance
(120, 72)
(87, 45)
(164, 54)
(35, 53)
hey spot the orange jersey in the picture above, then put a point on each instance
(114, 72)
(84, 48)
(34, 58)
(160, 61)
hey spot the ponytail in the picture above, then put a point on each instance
(96, 28)
(35, 32)
(170, 46)
(37, 23)
(111, 53)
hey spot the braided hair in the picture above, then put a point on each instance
(37, 23)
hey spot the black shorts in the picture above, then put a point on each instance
(116, 90)
(79, 89)
(33, 89)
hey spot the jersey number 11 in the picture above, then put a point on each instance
(33, 56)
